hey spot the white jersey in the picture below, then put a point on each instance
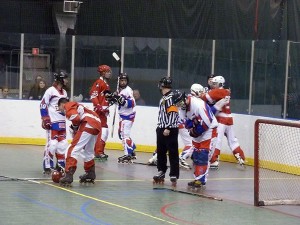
(201, 111)
(49, 106)
(128, 110)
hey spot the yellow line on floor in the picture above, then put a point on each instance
(106, 202)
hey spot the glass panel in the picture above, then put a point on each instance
(293, 98)
(43, 55)
(9, 64)
(146, 62)
(191, 62)
(268, 78)
(232, 61)
(91, 52)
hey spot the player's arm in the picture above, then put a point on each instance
(46, 122)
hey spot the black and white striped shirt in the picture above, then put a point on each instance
(168, 112)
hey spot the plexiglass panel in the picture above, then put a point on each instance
(89, 54)
(10, 64)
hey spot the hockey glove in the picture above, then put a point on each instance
(98, 108)
(188, 124)
(120, 100)
(46, 122)
(73, 129)
(107, 94)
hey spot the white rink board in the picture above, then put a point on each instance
(21, 118)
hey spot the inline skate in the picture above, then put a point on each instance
(89, 176)
(173, 180)
(67, 180)
(184, 164)
(159, 178)
(125, 159)
(102, 157)
(196, 185)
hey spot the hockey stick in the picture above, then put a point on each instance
(189, 193)
(117, 58)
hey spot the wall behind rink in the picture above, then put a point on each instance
(21, 124)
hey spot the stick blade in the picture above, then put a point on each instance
(115, 55)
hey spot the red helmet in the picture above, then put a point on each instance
(103, 69)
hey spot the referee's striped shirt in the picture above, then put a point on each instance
(168, 112)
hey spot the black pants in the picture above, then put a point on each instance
(167, 144)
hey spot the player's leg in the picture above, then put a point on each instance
(48, 163)
(89, 163)
(214, 161)
(235, 146)
(172, 145)
(161, 149)
(128, 145)
(188, 149)
(79, 142)
(101, 140)
(62, 146)
(201, 165)
(100, 144)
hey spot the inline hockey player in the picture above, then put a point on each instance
(101, 108)
(202, 126)
(225, 120)
(85, 127)
(126, 110)
(54, 123)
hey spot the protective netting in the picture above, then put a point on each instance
(277, 163)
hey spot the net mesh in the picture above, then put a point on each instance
(278, 163)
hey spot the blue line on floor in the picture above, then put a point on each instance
(56, 209)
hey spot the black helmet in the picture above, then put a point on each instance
(165, 82)
(211, 76)
(178, 97)
(123, 76)
(59, 77)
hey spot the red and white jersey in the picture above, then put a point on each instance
(96, 92)
(78, 114)
(199, 109)
(128, 110)
(49, 106)
(214, 95)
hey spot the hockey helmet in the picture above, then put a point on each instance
(165, 82)
(123, 76)
(197, 89)
(179, 98)
(59, 77)
(211, 76)
(218, 81)
(103, 69)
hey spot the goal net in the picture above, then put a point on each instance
(276, 163)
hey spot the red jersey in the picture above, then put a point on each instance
(214, 95)
(78, 114)
(96, 92)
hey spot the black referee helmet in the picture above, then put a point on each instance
(165, 82)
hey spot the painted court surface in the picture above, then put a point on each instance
(124, 194)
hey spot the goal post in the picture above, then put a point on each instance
(276, 162)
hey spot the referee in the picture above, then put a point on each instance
(167, 133)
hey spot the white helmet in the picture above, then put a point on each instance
(197, 89)
(218, 81)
